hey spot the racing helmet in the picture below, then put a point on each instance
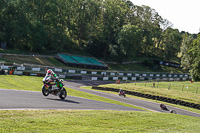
(49, 71)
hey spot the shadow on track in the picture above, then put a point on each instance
(69, 101)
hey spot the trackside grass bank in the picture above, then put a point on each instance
(73, 121)
(178, 90)
(142, 98)
(23, 121)
(31, 83)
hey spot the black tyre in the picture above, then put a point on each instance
(45, 91)
(63, 94)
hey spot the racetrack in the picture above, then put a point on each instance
(16, 99)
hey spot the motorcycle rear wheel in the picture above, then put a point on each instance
(63, 93)
(45, 91)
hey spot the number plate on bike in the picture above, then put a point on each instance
(54, 87)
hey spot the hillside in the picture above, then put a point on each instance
(32, 59)
(50, 60)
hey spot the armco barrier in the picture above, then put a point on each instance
(154, 97)
(138, 78)
(42, 74)
(17, 72)
(113, 75)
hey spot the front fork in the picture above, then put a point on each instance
(46, 86)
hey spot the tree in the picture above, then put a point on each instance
(114, 16)
(172, 41)
(150, 22)
(186, 59)
(129, 39)
(195, 59)
(98, 27)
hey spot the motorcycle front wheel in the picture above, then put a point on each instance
(63, 93)
(45, 91)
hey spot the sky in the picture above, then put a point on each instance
(183, 14)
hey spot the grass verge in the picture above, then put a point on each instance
(136, 97)
(23, 121)
(162, 90)
(95, 121)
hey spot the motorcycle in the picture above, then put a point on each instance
(51, 87)
(163, 107)
(122, 93)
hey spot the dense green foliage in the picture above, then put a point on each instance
(103, 28)
(190, 51)
(107, 29)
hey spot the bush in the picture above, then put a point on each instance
(148, 63)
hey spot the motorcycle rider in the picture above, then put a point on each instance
(121, 92)
(52, 77)
(163, 106)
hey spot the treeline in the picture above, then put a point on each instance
(190, 55)
(115, 29)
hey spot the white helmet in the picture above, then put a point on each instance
(49, 71)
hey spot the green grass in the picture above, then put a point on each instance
(23, 121)
(174, 92)
(183, 86)
(31, 83)
(10, 51)
(45, 61)
(73, 121)
(55, 62)
(140, 67)
(141, 98)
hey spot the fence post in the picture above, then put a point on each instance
(169, 86)
(145, 83)
(182, 87)
(154, 85)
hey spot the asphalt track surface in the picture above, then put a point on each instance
(16, 99)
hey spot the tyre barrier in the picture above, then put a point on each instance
(153, 97)
(2, 72)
